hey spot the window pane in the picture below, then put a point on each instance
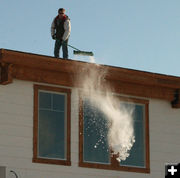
(58, 102)
(137, 153)
(95, 135)
(51, 134)
(44, 100)
(51, 122)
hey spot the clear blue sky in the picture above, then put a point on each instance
(135, 34)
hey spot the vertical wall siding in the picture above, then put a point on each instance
(16, 138)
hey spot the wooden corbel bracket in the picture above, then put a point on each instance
(5, 73)
(176, 102)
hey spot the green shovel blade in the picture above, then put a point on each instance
(83, 53)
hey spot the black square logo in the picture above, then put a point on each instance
(172, 170)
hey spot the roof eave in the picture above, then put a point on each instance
(46, 69)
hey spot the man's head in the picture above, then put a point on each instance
(61, 12)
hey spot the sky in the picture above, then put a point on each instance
(134, 34)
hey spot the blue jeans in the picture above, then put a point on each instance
(58, 44)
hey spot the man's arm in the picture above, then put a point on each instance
(67, 28)
(53, 28)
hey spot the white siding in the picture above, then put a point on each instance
(16, 138)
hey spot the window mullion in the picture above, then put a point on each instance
(114, 161)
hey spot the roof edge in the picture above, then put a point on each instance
(47, 69)
(70, 66)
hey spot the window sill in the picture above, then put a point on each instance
(117, 168)
(52, 161)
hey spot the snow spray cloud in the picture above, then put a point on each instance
(120, 128)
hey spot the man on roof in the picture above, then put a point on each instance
(60, 32)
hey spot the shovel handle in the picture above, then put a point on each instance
(73, 47)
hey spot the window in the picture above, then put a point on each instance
(93, 147)
(51, 125)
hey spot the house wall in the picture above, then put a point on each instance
(16, 138)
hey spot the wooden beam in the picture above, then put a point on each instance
(142, 90)
(65, 79)
(140, 77)
(74, 67)
(43, 76)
